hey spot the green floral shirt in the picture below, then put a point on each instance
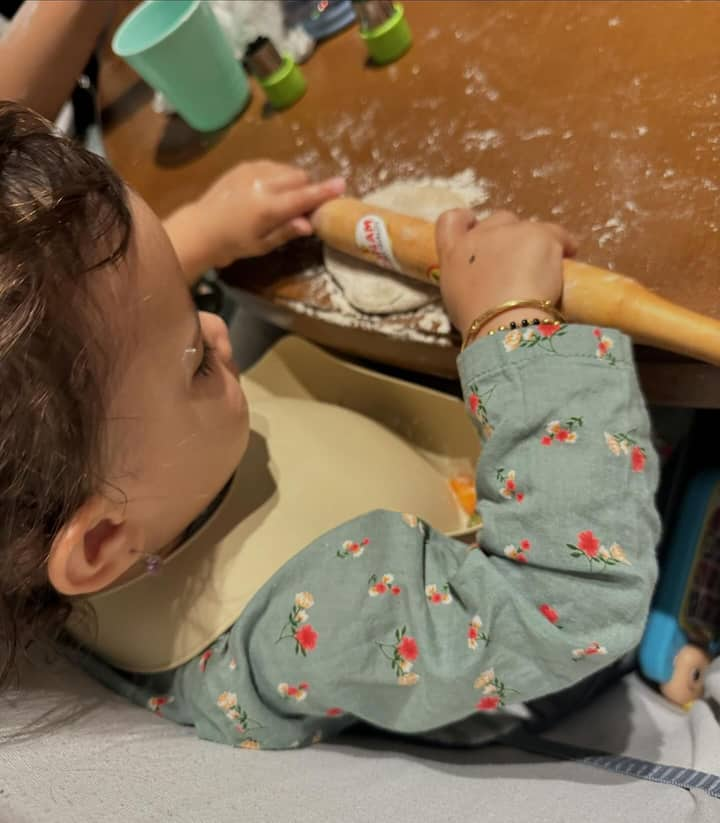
(387, 621)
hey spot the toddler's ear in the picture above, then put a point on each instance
(94, 548)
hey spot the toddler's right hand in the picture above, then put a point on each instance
(485, 263)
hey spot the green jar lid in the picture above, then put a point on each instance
(286, 85)
(390, 39)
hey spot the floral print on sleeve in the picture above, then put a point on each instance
(156, 703)
(493, 689)
(383, 585)
(589, 546)
(402, 655)
(438, 596)
(475, 633)
(204, 657)
(353, 548)
(227, 702)
(561, 432)
(298, 692)
(518, 553)
(622, 444)
(550, 614)
(604, 347)
(591, 650)
(541, 335)
(476, 404)
(297, 628)
(509, 488)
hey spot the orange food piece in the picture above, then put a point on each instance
(463, 487)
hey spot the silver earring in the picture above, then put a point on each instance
(153, 562)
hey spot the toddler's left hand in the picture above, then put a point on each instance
(258, 206)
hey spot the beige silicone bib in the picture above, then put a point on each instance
(310, 465)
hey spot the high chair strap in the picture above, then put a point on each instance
(626, 766)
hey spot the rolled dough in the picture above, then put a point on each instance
(374, 290)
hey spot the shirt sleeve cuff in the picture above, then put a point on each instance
(514, 348)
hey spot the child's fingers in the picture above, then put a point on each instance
(306, 199)
(299, 227)
(302, 226)
(451, 226)
(563, 236)
(287, 178)
(497, 219)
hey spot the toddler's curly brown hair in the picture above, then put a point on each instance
(64, 221)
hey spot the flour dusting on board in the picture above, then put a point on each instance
(475, 191)
(428, 324)
(482, 140)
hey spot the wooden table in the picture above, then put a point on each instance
(600, 115)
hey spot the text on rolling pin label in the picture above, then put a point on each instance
(371, 235)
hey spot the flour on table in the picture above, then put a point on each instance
(428, 324)
(374, 290)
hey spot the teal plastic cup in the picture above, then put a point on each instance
(178, 47)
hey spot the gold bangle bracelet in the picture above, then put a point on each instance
(545, 307)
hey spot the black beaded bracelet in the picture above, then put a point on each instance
(525, 323)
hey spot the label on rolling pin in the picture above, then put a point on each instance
(371, 235)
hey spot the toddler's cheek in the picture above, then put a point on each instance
(237, 401)
(240, 415)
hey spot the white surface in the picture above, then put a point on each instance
(91, 757)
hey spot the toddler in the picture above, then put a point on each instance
(123, 424)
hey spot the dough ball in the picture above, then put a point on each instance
(374, 290)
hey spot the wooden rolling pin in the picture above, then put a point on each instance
(590, 295)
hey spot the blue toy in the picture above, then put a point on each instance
(683, 631)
